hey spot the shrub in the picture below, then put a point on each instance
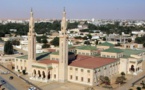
(138, 88)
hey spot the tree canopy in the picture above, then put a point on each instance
(8, 48)
(45, 45)
(15, 42)
(140, 40)
(55, 41)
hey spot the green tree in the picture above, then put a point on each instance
(140, 40)
(2, 34)
(1, 39)
(15, 42)
(8, 48)
(56, 25)
(104, 38)
(122, 74)
(24, 72)
(92, 27)
(89, 36)
(129, 40)
(55, 41)
(72, 25)
(85, 38)
(138, 88)
(38, 38)
(143, 84)
(44, 41)
(119, 80)
(45, 45)
(96, 42)
(143, 44)
(107, 80)
(78, 37)
(87, 42)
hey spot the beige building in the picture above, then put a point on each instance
(131, 46)
(87, 50)
(104, 45)
(130, 60)
(63, 66)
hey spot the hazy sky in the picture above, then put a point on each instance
(51, 9)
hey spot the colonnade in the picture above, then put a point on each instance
(41, 75)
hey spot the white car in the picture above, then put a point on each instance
(32, 88)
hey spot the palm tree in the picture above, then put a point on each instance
(107, 80)
(119, 80)
(123, 75)
(143, 84)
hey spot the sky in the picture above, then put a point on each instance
(75, 9)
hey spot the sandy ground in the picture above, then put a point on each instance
(16, 82)
(21, 85)
(138, 83)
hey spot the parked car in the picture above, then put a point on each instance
(32, 88)
(11, 77)
(3, 81)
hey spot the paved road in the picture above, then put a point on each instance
(8, 85)
(28, 82)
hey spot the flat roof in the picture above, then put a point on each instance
(48, 61)
(113, 50)
(88, 47)
(128, 52)
(106, 44)
(57, 53)
(91, 62)
(39, 56)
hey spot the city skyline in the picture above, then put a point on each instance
(86, 9)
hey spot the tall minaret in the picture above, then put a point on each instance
(63, 50)
(31, 42)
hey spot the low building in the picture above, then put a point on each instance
(131, 46)
(104, 45)
(87, 50)
(130, 60)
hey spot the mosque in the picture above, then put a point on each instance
(65, 66)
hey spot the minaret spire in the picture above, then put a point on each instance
(31, 22)
(63, 50)
(64, 13)
(63, 22)
(31, 42)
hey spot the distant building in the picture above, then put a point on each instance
(138, 33)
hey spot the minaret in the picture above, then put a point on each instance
(63, 50)
(31, 42)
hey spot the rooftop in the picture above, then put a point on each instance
(57, 53)
(48, 61)
(113, 50)
(88, 47)
(91, 62)
(106, 44)
(71, 46)
(129, 52)
(39, 56)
